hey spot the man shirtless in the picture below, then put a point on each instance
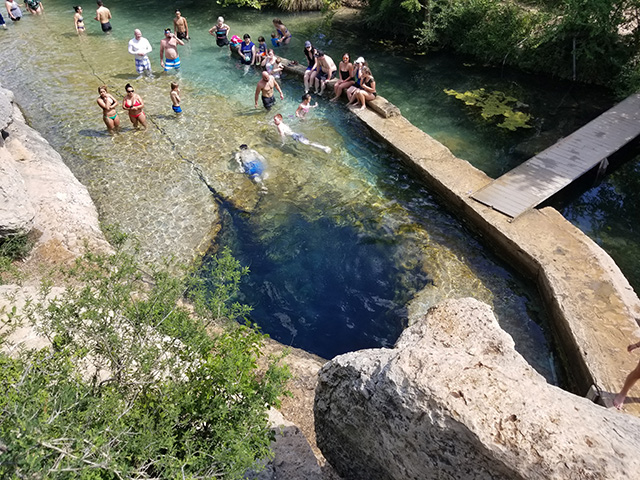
(169, 58)
(180, 26)
(103, 15)
(265, 86)
(326, 68)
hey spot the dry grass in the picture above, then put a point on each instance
(300, 5)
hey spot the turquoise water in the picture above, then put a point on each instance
(341, 242)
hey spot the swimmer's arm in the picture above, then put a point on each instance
(180, 42)
(211, 30)
(257, 94)
(278, 88)
(298, 111)
(186, 27)
(162, 53)
(130, 49)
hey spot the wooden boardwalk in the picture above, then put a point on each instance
(547, 173)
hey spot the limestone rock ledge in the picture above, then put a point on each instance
(56, 207)
(454, 400)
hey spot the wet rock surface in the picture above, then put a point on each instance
(454, 400)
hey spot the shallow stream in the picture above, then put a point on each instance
(341, 242)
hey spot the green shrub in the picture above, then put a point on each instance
(134, 385)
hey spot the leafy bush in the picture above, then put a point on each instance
(134, 384)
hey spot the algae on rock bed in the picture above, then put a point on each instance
(495, 104)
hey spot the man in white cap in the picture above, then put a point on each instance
(140, 47)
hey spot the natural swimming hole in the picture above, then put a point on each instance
(340, 243)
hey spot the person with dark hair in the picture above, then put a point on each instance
(310, 53)
(180, 26)
(305, 106)
(262, 50)
(284, 35)
(103, 15)
(326, 69)
(248, 50)
(34, 7)
(169, 58)
(253, 164)
(78, 20)
(108, 105)
(345, 80)
(133, 104)
(367, 90)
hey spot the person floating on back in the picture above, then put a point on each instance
(175, 97)
(284, 131)
(103, 15)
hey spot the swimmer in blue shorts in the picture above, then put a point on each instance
(169, 58)
(175, 97)
(284, 130)
(253, 164)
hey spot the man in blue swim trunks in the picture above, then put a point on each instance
(253, 164)
(169, 58)
(265, 87)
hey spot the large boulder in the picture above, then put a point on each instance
(16, 211)
(454, 400)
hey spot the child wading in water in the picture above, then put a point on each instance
(175, 97)
(305, 106)
(285, 130)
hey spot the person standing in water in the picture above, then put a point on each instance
(103, 15)
(108, 105)
(265, 87)
(78, 20)
(221, 31)
(180, 26)
(632, 378)
(134, 105)
(140, 47)
(35, 7)
(13, 9)
(175, 98)
(284, 35)
(169, 58)
(284, 131)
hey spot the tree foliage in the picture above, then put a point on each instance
(593, 40)
(134, 384)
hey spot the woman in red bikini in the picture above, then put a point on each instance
(133, 104)
(108, 105)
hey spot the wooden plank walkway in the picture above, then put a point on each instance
(547, 173)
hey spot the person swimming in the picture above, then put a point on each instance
(253, 164)
(305, 106)
(284, 130)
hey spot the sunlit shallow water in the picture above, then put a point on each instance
(341, 242)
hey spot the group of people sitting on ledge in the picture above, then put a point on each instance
(354, 78)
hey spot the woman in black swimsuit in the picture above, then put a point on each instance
(221, 31)
(345, 70)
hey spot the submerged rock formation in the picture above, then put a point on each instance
(454, 400)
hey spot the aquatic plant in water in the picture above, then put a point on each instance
(494, 104)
